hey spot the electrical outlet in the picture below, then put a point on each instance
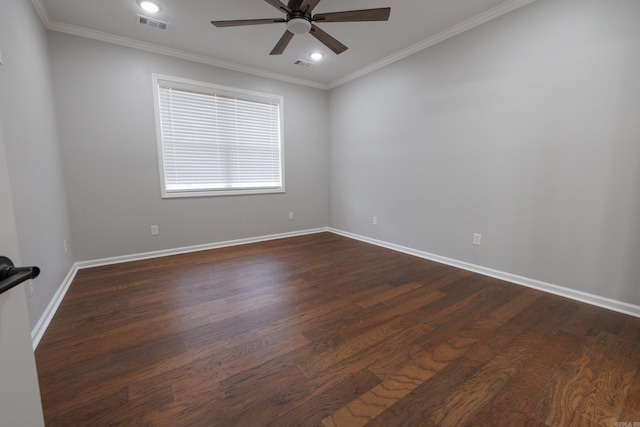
(375, 220)
(66, 246)
(154, 230)
(477, 239)
(30, 287)
(290, 215)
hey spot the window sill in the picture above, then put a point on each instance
(218, 193)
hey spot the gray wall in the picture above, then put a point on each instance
(526, 129)
(105, 107)
(19, 393)
(31, 143)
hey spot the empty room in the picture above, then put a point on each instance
(320, 213)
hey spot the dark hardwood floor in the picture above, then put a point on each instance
(324, 330)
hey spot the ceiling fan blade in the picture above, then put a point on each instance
(307, 6)
(381, 14)
(279, 5)
(327, 40)
(294, 4)
(241, 22)
(282, 43)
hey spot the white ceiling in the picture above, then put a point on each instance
(413, 25)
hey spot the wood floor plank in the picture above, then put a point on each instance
(605, 399)
(312, 408)
(628, 417)
(375, 401)
(445, 323)
(325, 330)
(632, 400)
(569, 383)
(372, 403)
(529, 379)
(419, 405)
(482, 387)
(389, 294)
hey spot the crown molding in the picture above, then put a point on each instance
(154, 48)
(176, 53)
(42, 11)
(470, 23)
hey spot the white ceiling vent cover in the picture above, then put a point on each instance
(145, 20)
(303, 63)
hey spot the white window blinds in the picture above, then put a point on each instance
(216, 140)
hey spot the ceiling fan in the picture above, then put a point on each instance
(300, 20)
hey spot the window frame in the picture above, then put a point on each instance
(214, 89)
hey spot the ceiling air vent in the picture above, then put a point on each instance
(303, 63)
(144, 20)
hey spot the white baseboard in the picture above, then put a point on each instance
(38, 331)
(196, 248)
(42, 325)
(610, 304)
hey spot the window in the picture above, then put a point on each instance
(214, 140)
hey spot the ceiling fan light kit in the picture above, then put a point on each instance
(299, 20)
(298, 26)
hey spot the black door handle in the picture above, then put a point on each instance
(11, 276)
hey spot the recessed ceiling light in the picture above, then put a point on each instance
(316, 56)
(149, 6)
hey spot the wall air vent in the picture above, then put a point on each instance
(303, 63)
(145, 20)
